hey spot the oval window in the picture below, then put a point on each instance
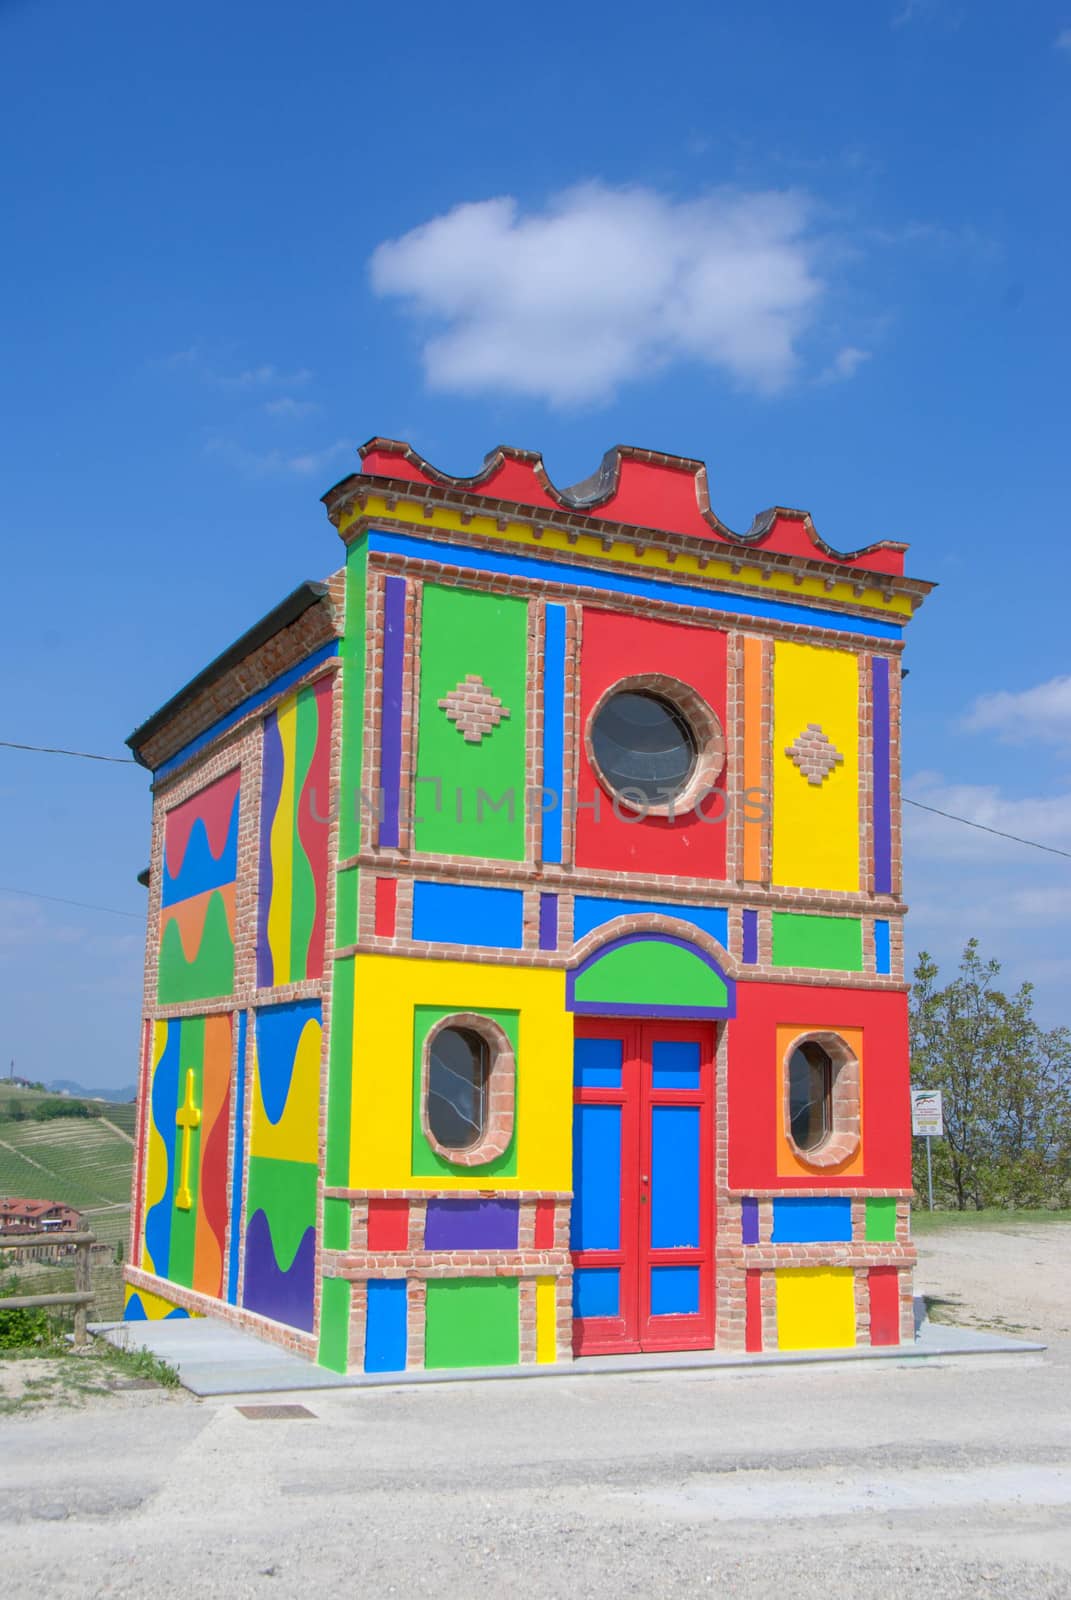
(644, 746)
(458, 1068)
(810, 1094)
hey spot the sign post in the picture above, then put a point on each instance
(927, 1122)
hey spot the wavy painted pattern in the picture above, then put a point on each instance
(281, 1195)
(191, 1061)
(294, 823)
(198, 895)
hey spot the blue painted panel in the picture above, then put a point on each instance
(750, 931)
(591, 912)
(553, 731)
(675, 1064)
(597, 1063)
(674, 1291)
(596, 1292)
(882, 953)
(674, 1177)
(596, 1222)
(807, 1221)
(385, 1339)
(543, 571)
(455, 913)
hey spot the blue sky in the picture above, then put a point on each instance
(824, 248)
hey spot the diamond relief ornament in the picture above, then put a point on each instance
(473, 709)
(814, 754)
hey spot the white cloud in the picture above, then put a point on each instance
(845, 364)
(1063, 40)
(1042, 713)
(605, 286)
(287, 406)
(278, 463)
(1043, 819)
(263, 376)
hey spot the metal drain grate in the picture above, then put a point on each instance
(274, 1413)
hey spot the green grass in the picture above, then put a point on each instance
(923, 1221)
(74, 1159)
(70, 1376)
(83, 1163)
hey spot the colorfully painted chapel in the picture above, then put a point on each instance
(525, 965)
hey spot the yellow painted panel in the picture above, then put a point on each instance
(591, 548)
(282, 848)
(155, 1306)
(816, 826)
(815, 1308)
(546, 1321)
(156, 1160)
(387, 988)
(789, 1164)
(295, 1137)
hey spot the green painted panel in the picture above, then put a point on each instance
(651, 973)
(286, 1192)
(303, 887)
(468, 634)
(183, 1222)
(346, 889)
(340, 1077)
(210, 975)
(426, 1162)
(881, 1221)
(472, 1322)
(352, 654)
(334, 1324)
(835, 943)
(336, 1224)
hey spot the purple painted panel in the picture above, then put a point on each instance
(285, 1295)
(879, 690)
(548, 922)
(390, 734)
(471, 1225)
(749, 1220)
(271, 786)
(751, 936)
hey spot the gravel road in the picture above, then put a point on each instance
(946, 1480)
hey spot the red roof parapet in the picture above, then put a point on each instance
(633, 488)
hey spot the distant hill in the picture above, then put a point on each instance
(117, 1096)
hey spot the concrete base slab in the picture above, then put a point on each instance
(213, 1358)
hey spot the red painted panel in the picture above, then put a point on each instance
(388, 1224)
(753, 1311)
(386, 906)
(645, 491)
(544, 1225)
(754, 1081)
(617, 646)
(884, 1305)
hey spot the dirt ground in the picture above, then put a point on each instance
(877, 1479)
(1012, 1279)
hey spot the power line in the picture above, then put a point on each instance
(83, 905)
(967, 823)
(83, 755)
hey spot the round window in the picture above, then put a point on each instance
(644, 746)
(458, 1069)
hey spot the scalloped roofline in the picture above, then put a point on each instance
(632, 487)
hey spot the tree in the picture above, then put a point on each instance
(1006, 1086)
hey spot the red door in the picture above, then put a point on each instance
(643, 1191)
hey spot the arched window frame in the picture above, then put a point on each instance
(500, 1091)
(842, 1141)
